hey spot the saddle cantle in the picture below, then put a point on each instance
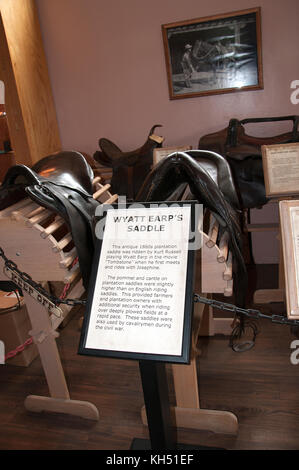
(66, 169)
(129, 169)
(61, 182)
(243, 152)
(187, 167)
(219, 170)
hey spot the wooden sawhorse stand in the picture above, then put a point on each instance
(214, 275)
(265, 296)
(39, 242)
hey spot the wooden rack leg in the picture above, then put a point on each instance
(210, 326)
(187, 413)
(44, 336)
(265, 296)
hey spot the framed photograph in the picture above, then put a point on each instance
(160, 153)
(140, 298)
(289, 223)
(211, 55)
(281, 169)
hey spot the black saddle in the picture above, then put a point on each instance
(129, 169)
(61, 182)
(219, 170)
(190, 168)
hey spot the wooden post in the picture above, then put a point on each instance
(37, 252)
(187, 413)
(29, 104)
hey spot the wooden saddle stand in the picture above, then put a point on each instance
(213, 275)
(27, 228)
(40, 243)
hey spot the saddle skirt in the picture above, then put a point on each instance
(61, 182)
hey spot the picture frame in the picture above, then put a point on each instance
(129, 339)
(162, 152)
(281, 169)
(289, 224)
(213, 55)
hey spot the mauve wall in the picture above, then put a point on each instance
(107, 69)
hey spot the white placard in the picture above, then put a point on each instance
(139, 293)
(289, 224)
(294, 212)
(281, 169)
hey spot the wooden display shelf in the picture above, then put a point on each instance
(39, 242)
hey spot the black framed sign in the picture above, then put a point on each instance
(140, 298)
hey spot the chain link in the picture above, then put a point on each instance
(249, 313)
(28, 279)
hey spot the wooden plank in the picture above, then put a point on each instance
(58, 222)
(18, 205)
(212, 271)
(101, 191)
(228, 272)
(265, 296)
(22, 213)
(13, 108)
(72, 275)
(213, 232)
(63, 242)
(228, 290)
(29, 103)
(96, 180)
(262, 227)
(16, 237)
(69, 258)
(223, 247)
(41, 217)
(111, 199)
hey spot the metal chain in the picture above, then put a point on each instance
(28, 279)
(250, 313)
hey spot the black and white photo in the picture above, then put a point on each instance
(213, 55)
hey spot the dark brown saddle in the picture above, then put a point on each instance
(243, 152)
(61, 182)
(129, 169)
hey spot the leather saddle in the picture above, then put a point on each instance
(219, 170)
(61, 182)
(194, 168)
(129, 169)
(243, 152)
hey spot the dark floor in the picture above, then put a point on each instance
(260, 386)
